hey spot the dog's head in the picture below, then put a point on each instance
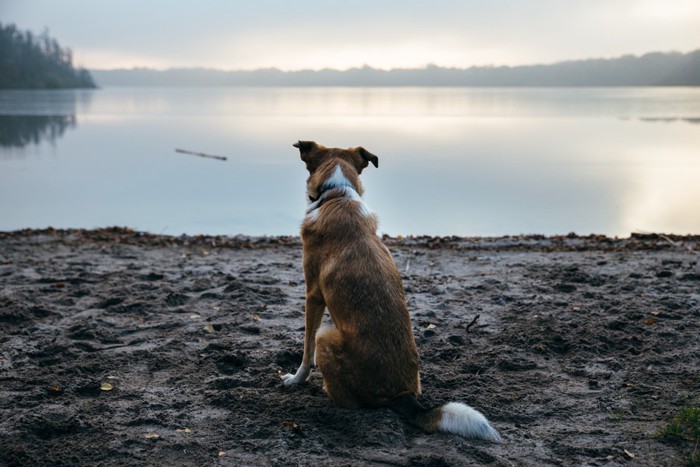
(323, 163)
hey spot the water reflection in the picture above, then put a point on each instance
(31, 117)
(46, 102)
(18, 131)
(693, 121)
(454, 161)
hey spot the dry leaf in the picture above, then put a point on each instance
(106, 387)
(297, 428)
(655, 312)
(650, 321)
(631, 456)
(222, 453)
(184, 430)
(151, 435)
(430, 326)
(194, 316)
(256, 317)
(209, 327)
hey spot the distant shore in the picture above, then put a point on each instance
(652, 69)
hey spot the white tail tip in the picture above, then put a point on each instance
(462, 420)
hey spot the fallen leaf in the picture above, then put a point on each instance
(631, 456)
(222, 453)
(256, 317)
(106, 387)
(655, 312)
(194, 316)
(59, 284)
(650, 321)
(297, 428)
(151, 435)
(430, 326)
(184, 430)
(209, 327)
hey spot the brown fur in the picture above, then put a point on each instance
(369, 357)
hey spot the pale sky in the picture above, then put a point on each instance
(293, 35)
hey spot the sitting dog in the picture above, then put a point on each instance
(369, 357)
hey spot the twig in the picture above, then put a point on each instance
(201, 154)
(469, 326)
(676, 244)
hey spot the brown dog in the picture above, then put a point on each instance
(369, 358)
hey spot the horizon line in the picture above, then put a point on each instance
(371, 67)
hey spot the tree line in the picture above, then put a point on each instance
(652, 69)
(29, 61)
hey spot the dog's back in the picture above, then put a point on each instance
(373, 340)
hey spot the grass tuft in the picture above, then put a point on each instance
(686, 425)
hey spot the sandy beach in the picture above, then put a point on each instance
(125, 348)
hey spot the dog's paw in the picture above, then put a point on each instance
(290, 379)
(299, 377)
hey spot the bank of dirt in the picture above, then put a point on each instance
(124, 348)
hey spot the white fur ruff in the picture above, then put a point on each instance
(338, 181)
(462, 420)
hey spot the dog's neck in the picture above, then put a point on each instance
(336, 180)
(336, 186)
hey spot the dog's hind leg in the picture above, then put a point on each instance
(330, 360)
(315, 307)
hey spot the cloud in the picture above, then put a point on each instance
(332, 33)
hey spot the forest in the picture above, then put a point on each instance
(651, 69)
(29, 61)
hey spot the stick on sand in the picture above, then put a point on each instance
(201, 154)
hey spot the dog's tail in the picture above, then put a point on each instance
(454, 417)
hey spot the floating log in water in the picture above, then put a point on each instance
(201, 154)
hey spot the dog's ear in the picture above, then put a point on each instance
(305, 149)
(368, 157)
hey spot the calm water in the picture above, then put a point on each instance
(452, 161)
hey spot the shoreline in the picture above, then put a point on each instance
(525, 242)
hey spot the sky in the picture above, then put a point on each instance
(385, 34)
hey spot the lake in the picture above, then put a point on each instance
(453, 161)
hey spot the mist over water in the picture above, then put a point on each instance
(453, 161)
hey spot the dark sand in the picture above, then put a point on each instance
(583, 349)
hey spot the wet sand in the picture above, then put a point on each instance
(124, 348)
